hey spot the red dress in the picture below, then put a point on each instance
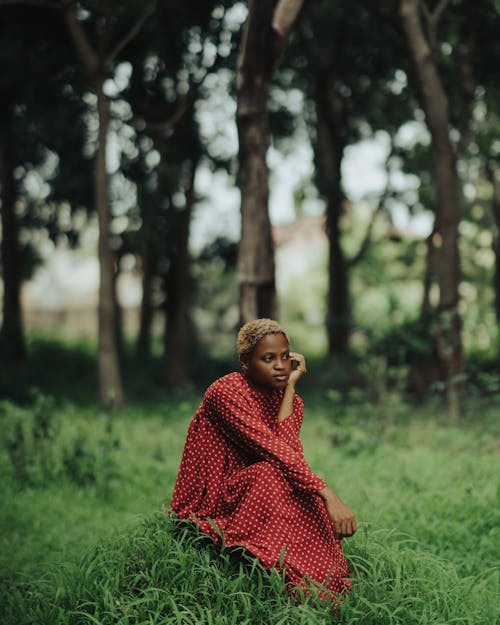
(245, 471)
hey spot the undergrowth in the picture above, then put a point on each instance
(165, 572)
(42, 451)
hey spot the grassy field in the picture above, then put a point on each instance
(85, 537)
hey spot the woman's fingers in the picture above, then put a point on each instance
(343, 519)
(350, 528)
(345, 527)
(300, 360)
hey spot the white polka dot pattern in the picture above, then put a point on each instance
(244, 471)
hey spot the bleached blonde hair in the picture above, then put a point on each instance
(252, 331)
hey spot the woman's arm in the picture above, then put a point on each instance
(232, 414)
(286, 408)
(341, 515)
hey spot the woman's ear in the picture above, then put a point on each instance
(244, 364)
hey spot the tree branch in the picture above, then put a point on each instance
(88, 55)
(164, 127)
(378, 209)
(285, 14)
(438, 11)
(134, 30)
(363, 248)
(432, 19)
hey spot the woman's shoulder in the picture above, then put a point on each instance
(234, 381)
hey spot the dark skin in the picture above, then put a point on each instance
(268, 368)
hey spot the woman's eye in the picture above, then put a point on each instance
(286, 357)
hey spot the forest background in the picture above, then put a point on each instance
(125, 129)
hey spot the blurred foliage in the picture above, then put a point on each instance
(408, 342)
(41, 450)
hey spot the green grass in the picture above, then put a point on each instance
(85, 538)
(165, 572)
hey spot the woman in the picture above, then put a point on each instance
(243, 475)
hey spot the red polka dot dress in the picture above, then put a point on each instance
(244, 471)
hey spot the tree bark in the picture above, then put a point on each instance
(429, 274)
(143, 346)
(435, 105)
(329, 150)
(179, 297)
(265, 33)
(118, 314)
(12, 335)
(495, 206)
(96, 64)
(110, 383)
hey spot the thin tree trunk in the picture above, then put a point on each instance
(338, 322)
(429, 276)
(95, 65)
(12, 335)
(495, 205)
(265, 34)
(143, 346)
(110, 384)
(118, 311)
(329, 151)
(435, 105)
(179, 296)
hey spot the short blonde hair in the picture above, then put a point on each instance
(252, 331)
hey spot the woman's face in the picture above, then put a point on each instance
(269, 366)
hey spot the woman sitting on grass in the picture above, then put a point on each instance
(243, 474)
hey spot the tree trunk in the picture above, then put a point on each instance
(178, 297)
(329, 151)
(143, 346)
(12, 335)
(435, 105)
(338, 322)
(429, 276)
(96, 64)
(265, 33)
(118, 311)
(495, 205)
(110, 383)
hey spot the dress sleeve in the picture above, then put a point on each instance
(231, 413)
(289, 428)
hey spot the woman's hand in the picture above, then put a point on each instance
(299, 370)
(342, 517)
(286, 407)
